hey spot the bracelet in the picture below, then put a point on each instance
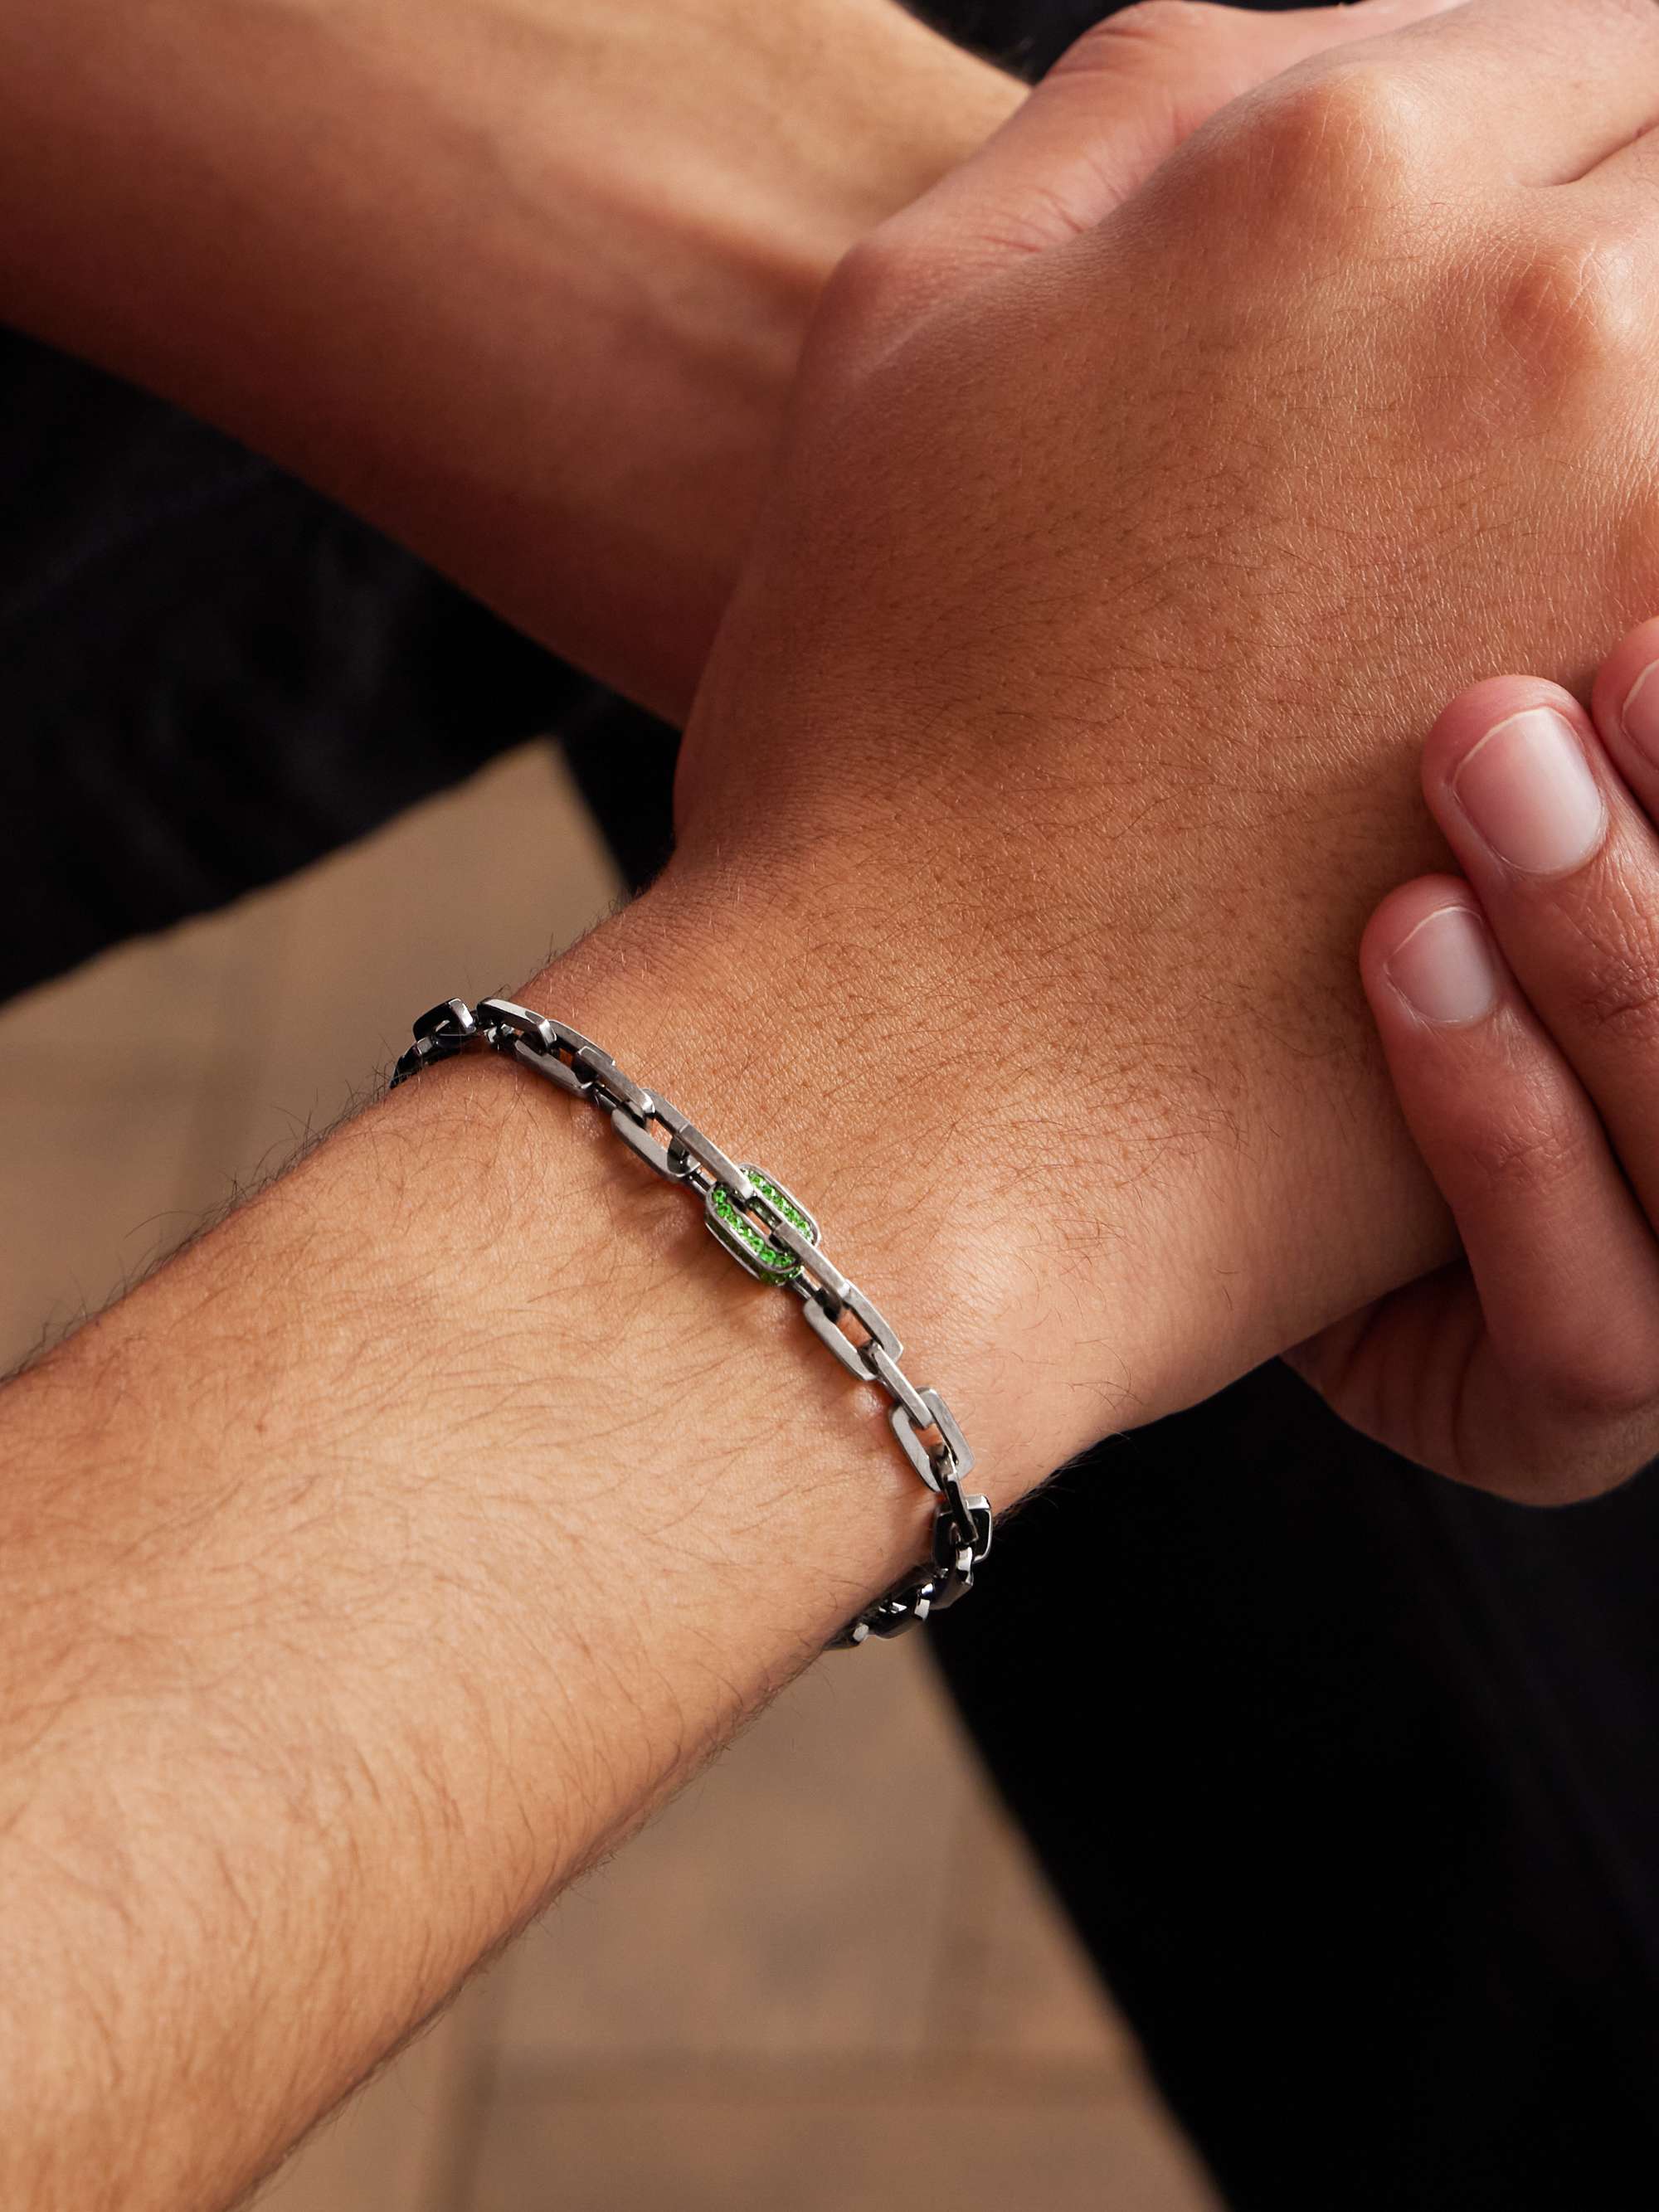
(772, 1236)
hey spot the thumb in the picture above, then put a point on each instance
(1112, 109)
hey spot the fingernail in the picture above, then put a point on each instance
(1444, 971)
(1528, 790)
(1640, 713)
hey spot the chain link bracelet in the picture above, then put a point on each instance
(772, 1236)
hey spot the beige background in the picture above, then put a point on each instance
(827, 1978)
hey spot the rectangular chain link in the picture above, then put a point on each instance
(772, 1237)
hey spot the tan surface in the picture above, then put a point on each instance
(825, 1979)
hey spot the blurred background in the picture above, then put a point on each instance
(827, 1976)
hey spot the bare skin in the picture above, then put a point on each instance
(1516, 1005)
(393, 1551)
(386, 1558)
(1118, 828)
(523, 280)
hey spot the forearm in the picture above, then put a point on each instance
(523, 281)
(388, 1554)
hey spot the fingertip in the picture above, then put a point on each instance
(1474, 714)
(1396, 916)
(1428, 959)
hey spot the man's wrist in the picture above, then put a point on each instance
(459, 1495)
(891, 1119)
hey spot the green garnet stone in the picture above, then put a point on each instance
(747, 1241)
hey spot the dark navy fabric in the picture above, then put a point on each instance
(1347, 1777)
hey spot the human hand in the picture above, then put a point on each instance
(1519, 1009)
(1073, 682)
(715, 163)
(533, 298)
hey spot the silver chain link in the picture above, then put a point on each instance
(772, 1236)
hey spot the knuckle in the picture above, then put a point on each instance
(1527, 1153)
(872, 281)
(1615, 994)
(1570, 309)
(1153, 26)
(1596, 1386)
(1347, 134)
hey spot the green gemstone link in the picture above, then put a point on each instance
(782, 1265)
